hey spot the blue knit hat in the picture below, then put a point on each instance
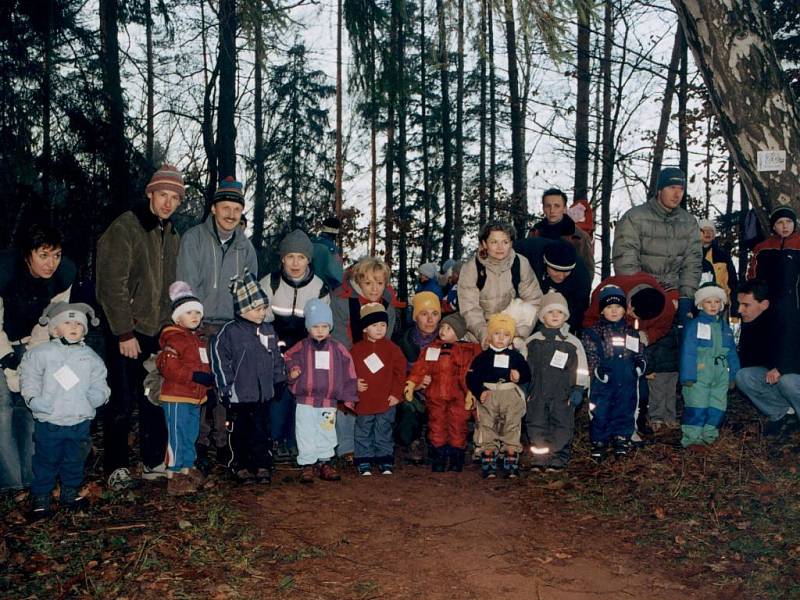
(317, 312)
(229, 190)
(670, 176)
(247, 293)
(612, 294)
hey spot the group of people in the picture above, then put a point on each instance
(311, 362)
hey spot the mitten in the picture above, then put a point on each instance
(10, 361)
(408, 391)
(684, 310)
(469, 401)
(576, 397)
(601, 373)
(206, 379)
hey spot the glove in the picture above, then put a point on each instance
(408, 391)
(469, 401)
(10, 361)
(576, 397)
(685, 308)
(206, 379)
(601, 373)
(640, 364)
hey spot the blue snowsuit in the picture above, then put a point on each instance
(616, 360)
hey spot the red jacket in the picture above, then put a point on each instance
(182, 353)
(387, 381)
(448, 370)
(654, 328)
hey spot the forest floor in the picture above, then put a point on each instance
(660, 524)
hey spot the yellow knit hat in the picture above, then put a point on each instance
(502, 321)
(425, 301)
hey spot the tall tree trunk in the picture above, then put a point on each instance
(731, 183)
(373, 143)
(444, 77)
(112, 92)
(47, 72)
(389, 221)
(426, 183)
(259, 202)
(339, 166)
(149, 127)
(666, 113)
(709, 158)
(582, 102)
(608, 142)
(402, 250)
(683, 98)
(458, 217)
(519, 206)
(492, 115)
(754, 105)
(744, 208)
(482, 117)
(209, 83)
(226, 129)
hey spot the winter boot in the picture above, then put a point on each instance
(456, 460)
(511, 464)
(201, 462)
(438, 459)
(622, 446)
(40, 508)
(308, 474)
(488, 464)
(71, 500)
(598, 452)
(328, 473)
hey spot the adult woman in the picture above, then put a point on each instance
(717, 264)
(495, 277)
(31, 277)
(366, 282)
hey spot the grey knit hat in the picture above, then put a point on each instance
(61, 312)
(456, 323)
(296, 242)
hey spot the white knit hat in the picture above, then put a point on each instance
(553, 301)
(707, 224)
(709, 290)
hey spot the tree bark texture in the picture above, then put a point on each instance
(608, 142)
(339, 167)
(444, 78)
(519, 208)
(226, 129)
(458, 217)
(666, 113)
(582, 103)
(259, 202)
(732, 47)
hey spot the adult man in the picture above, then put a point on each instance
(557, 224)
(327, 260)
(135, 266)
(211, 255)
(558, 268)
(770, 373)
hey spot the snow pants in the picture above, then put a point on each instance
(550, 423)
(705, 404)
(612, 404)
(500, 418)
(448, 421)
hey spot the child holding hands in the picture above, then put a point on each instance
(321, 373)
(494, 378)
(381, 369)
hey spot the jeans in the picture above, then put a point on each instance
(772, 400)
(345, 433)
(373, 437)
(16, 437)
(60, 451)
(183, 424)
(281, 412)
(125, 377)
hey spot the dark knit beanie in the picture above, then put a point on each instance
(331, 225)
(229, 190)
(372, 313)
(646, 301)
(296, 242)
(612, 294)
(782, 212)
(169, 178)
(457, 323)
(670, 176)
(560, 256)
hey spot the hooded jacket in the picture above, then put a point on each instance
(182, 354)
(48, 399)
(287, 299)
(550, 380)
(476, 306)
(136, 259)
(346, 302)
(661, 242)
(708, 344)
(208, 265)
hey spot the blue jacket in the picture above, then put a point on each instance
(48, 399)
(702, 349)
(246, 362)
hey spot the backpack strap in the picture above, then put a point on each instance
(481, 280)
(516, 277)
(275, 281)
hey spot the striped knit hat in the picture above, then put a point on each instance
(372, 313)
(168, 177)
(247, 293)
(183, 300)
(229, 190)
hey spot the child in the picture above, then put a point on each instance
(247, 364)
(444, 364)
(493, 379)
(321, 373)
(709, 364)
(381, 370)
(614, 352)
(63, 383)
(559, 376)
(183, 362)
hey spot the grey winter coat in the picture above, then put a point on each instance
(208, 266)
(476, 306)
(48, 399)
(665, 244)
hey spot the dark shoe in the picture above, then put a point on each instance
(537, 469)
(264, 475)
(622, 446)
(308, 475)
(438, 459)
(416, 452)
(779, 427)
(202, 463)
(328, 473)
(40, 508)
(223, 456)
(488, 465)
(365, 469)
(598, 452)
(387, 469)
(281, 453)
(71, 500)
(456, 460)
(511, 465)
(554, 469)
(243, 476)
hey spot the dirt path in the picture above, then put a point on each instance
(422, 536)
